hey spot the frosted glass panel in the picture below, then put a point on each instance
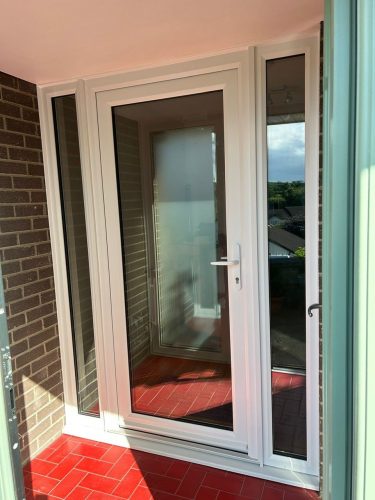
(185, 221)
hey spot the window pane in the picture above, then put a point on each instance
(171, 190)
(286, 251)
(69, 167)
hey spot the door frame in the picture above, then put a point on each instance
(85, 91)
(310, 49)
(225, 80)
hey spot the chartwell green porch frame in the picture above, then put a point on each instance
(349, 251)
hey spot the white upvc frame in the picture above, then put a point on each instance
(252, 206)
(310, 48)
(45, 97)
(219, 80)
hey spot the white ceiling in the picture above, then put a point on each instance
(52, 40)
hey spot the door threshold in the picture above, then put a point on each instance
(210, 456)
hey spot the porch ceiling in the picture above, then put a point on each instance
(52, 40)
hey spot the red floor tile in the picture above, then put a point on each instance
(79, 493)
(253, 488)
(114, 473)
(66, 465)
(231, 483)
(121, 467)
(93, 465)
(205, 493)
(129, 483)
(70, 481)
(99, 483)
(38, 466)
(39, 483)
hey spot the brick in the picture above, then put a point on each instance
(36, 170)
(30, 115)
(8, 80)
(39, 312)
(33, 237)
(50, 320)
(8, 240)
(10, 138)
(5, 182)
(21, 278)
(8, 167)
(8, 109)
(49, 409)
(36, 262)
(44, 361)
(17, 97)
(18, 348)
(6, 211)
(38, 339)
(33, 142)
(28, 356)
(14, 225)
(38, 197)
(18, 252)
(41, 223)
(24, 305)
(54, 367)
(31, 210)
(15, 197)
(27, 183)
(53, 381)
(48, 296)
(25, 250)
(28, 87)
(27, 330)
(43, 248)
(10, 267)
(16, 321)
(37, 287)
(23, 154)
(50, 434)
(52, 344)
(46, 272)
(12, 295)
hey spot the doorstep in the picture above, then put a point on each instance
(76, 468)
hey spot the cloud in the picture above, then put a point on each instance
(286, 152)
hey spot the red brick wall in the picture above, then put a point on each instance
(25, 255)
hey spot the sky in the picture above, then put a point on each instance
(286, 152)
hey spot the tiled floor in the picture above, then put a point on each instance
(198, 391)
(76, 469)
(289, 412)
(201, 392)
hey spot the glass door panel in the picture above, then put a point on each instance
(286, 252)
(171, 194)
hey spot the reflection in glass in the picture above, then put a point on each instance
(171, 186)
(70, 177)
(286, 251)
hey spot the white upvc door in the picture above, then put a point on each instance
(193, 132)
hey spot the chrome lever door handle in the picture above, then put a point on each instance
(311, 308)
(234, 262)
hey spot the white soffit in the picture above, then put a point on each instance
(46, 41)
